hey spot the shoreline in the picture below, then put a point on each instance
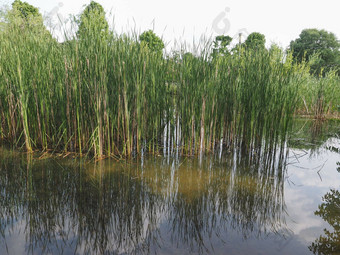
(52, 153)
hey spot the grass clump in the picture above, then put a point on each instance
(109, 95)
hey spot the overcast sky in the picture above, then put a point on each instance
(279, 21)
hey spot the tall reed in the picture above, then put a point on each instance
(112, 96)
(320, 96)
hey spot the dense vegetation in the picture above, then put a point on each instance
(320, 43)
(109, 94)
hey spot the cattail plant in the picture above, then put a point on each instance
(103, 94)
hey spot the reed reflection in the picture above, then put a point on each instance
(66, 207)
(312, 134)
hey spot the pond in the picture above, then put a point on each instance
(282, 201)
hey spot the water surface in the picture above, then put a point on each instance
(278, 202)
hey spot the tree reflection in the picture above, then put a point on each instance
(329, 211)
(111, 208)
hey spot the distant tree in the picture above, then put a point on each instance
(221, 44)
(313, 42)
(25, 10)
(255, 41)
(152, 41)
(329, 210)
(92, 22)
(188, 56)
(25, 17)
(26, 14)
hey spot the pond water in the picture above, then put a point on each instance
(280, 202)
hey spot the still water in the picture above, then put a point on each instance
(279, 202)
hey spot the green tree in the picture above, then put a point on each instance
(313, 42)
(92, 22)
(221, 44)
(255, 41)
(25, 10)
(188, 56)
(329, 210)
(25, 14)
(152, 41)
(24, 17)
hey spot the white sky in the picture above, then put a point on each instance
(279, 21)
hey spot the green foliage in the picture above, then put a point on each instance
(25, 10)
(317, 42)
(221, 44)
(276, 50)
(152, 41)
(320, 95)
(255, 41)
(25, 16)
(93, 22)
(113, 97)
(23, 48)
(187, 56)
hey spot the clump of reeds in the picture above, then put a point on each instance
(111, 95)
(241, 99)
(320, 96)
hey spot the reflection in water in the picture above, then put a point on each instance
(309, 134)
(329, 211)
(108, 208)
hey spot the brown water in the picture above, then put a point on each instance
(287, 202)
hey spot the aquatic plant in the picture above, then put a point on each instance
(112, 96)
